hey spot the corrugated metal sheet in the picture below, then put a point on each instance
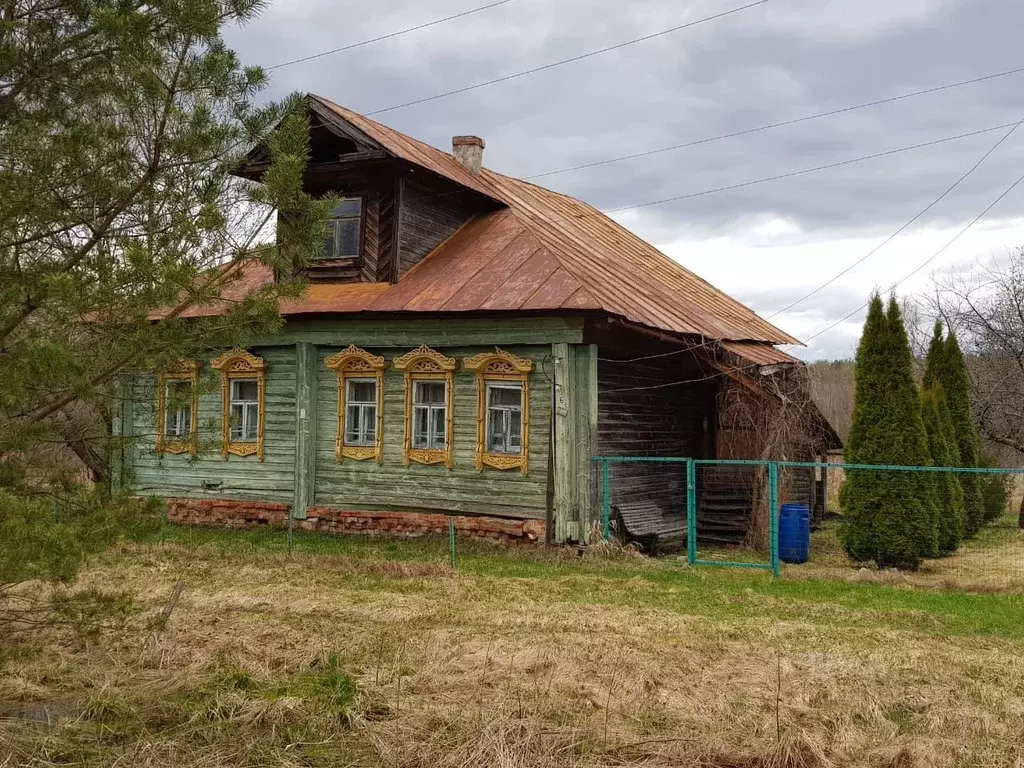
(759, 353)
(617, 270)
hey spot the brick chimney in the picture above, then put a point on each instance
(469, 151)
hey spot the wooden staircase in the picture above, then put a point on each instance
(725, 499)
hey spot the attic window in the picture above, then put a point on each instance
(345, 229)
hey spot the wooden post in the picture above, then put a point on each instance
(305, 428)
(121, 430)
(575, 432)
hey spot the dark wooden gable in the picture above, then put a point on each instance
(406, 211)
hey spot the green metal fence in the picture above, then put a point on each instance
(772, 472)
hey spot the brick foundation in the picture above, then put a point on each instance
(254, 514)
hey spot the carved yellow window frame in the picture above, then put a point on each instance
(239, 364)
(187, 371)
(355, 363)
(499, 366)
(426, 364)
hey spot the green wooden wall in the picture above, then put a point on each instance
(365, 484)
(300, 467)
(240, 477)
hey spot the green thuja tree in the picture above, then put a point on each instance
(952, 372)
(889, 515)
(949, 517)
(995, 489)
(934, 481)
(860, 498)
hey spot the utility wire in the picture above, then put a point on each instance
(569, 60)
(903, 228)
(706, 343)
(927, 261)
(794, 121)
(389, 35)
(804, 171)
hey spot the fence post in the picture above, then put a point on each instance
(606, 500)
(691, 512)
(451, 541)
(773, 516)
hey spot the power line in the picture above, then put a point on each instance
(794, 121)
(927, 261)
(389, 35)
(706, 343)
(804, 171)
(569, 60)
(903, 228)
(667, 384)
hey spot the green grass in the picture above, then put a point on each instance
(666, 584)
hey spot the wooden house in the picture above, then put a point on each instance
(466, 344)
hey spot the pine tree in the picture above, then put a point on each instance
(889, 515)
(120, 126)
(948, 492)
(953, 375)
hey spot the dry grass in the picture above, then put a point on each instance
(367, 653)
(992, 563)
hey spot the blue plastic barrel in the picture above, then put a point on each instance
(795, 533)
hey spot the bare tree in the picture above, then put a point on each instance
(985, 306)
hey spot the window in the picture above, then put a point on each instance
(503, 409)
(245, 410)
(178, 413)
(505, 418)
(360, 404)
(344, 229)
(177, 404)
(429, 415)
(361, 412)
(429, 378)
(243, 396)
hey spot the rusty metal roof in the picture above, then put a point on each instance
(759, 353)
(619, 272)
(542, 251)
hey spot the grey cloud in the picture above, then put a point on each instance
(778, 61)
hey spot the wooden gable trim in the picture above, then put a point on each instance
(331, 120)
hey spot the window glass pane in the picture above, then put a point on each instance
(352, 423)
(252, 418)
(348, 207)
(236, 421)
(369, 424)
(362, 391)
(329, 242)
(437, 422)
(348, 237)
(515, 432)
(420, 418)
(244, 389)
(429, 392)
(505, 395)
(495, 430)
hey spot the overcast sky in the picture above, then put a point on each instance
(767, 244)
